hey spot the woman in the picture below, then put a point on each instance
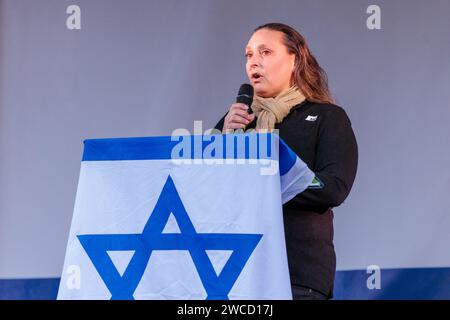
(292, 95)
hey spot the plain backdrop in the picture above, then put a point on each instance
(143, 68)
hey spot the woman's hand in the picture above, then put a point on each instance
(237, 118)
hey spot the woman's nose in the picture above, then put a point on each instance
(254, 61)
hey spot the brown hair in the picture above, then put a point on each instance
(309, 77)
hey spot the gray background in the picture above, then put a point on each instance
(141, 68)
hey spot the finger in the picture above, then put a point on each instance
(243, 114)
(239, 106)
(239, 119)
(235, 125)
(236, 118)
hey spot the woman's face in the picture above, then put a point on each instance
(269, 65)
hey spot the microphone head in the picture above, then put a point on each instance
(245, 96)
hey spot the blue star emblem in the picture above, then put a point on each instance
(152, 238)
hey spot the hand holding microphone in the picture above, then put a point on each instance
(240, 113)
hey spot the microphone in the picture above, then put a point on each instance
(245, 96)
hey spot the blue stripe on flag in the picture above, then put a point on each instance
(287, 156)
(151, 148)
(161, 148)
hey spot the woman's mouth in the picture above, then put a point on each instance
(256, 77)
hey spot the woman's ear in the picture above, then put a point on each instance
(294, 63)
(294, 66)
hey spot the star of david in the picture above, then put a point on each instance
(217, 286)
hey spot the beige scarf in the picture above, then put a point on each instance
(270, 111)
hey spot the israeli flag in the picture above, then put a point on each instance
(184, 217)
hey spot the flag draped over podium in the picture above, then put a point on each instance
(187, 217)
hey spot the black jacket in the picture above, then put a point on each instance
(322, 136)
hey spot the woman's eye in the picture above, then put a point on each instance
(265, 52)
(248, 55)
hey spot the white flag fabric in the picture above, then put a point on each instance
(187, 217)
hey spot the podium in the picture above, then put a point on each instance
(182, 217)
